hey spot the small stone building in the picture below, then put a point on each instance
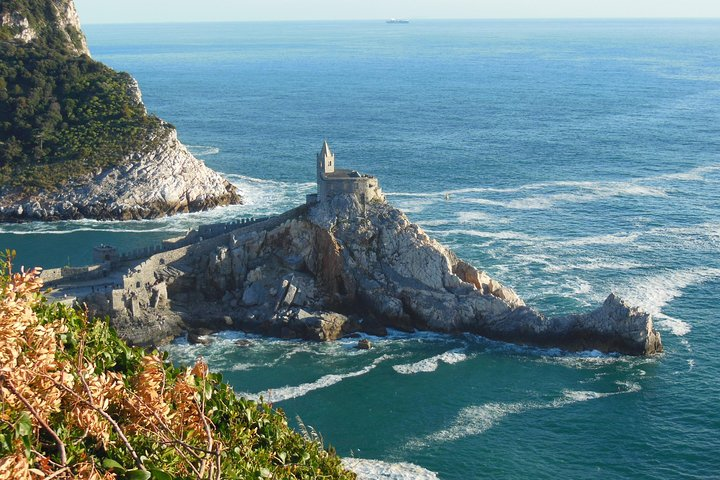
(332, 181)
(104, 253)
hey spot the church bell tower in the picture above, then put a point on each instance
(326, 160)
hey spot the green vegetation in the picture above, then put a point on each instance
(41, 15)
(63, 115)
(77, 402)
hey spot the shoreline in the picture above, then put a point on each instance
(317, 272)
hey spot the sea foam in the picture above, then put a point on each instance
(378, 470)
(288, 392)
(431, 364)
(477, 419)
(653, 293)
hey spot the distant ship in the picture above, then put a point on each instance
(397, 20)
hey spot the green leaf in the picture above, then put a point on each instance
(23, 426)
(160, 475)
(137, 474)
(111, 464)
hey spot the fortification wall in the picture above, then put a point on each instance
(86, 273)
(358, 186)
(142, 287)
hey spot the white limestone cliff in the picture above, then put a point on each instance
(163, 181)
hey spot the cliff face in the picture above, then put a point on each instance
(56, 22)
(108, 160)
(163, 181)
(342, 267)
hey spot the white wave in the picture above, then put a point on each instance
(473, 217)
(378, 470)
(471, 421)
(583, 360)
(594, 264)
(706, 234)
(581, 287)
(439, 222)
(242, 367)
(411, 206)
(677, 327)
(608, 239)
(695, 174)
(288, 392)
(475, 420)
(501, 235)
(431, 364)
(654, 292)
(89, 225)
(589, 193)
(582, 192)
(203, 150)
(264, 196)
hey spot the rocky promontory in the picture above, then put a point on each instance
(165, 180)
(329, 269)
(86, 146)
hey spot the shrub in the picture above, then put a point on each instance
(77, 402)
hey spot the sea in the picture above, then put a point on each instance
(569, 159)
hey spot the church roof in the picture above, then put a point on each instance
(325, 152)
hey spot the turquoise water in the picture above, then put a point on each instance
(579, 157)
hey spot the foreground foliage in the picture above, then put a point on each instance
(77, 402)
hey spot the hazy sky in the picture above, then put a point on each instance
(135, 11)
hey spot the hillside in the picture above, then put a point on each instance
(67, 120)
(77, 402)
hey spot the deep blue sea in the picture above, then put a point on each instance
(578, 158)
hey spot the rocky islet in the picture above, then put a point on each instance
(327, 270)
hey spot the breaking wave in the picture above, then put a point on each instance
(378, 470)
(654, 292)
(431, 364)
(288, 392)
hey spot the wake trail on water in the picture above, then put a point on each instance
(431, 364)
(476, 420)
(288, 392)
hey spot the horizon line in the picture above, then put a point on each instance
(420, 19)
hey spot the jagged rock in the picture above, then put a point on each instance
(364, 344)
(199, 338)
(371, 261)
(321, 326)
(167, 180)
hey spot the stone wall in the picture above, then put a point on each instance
(144, 286)
(365, 185)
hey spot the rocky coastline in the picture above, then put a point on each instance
(328, 270)
(163, 181)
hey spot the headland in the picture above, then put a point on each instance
(346, 261)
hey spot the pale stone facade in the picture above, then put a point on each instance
(332, 181)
